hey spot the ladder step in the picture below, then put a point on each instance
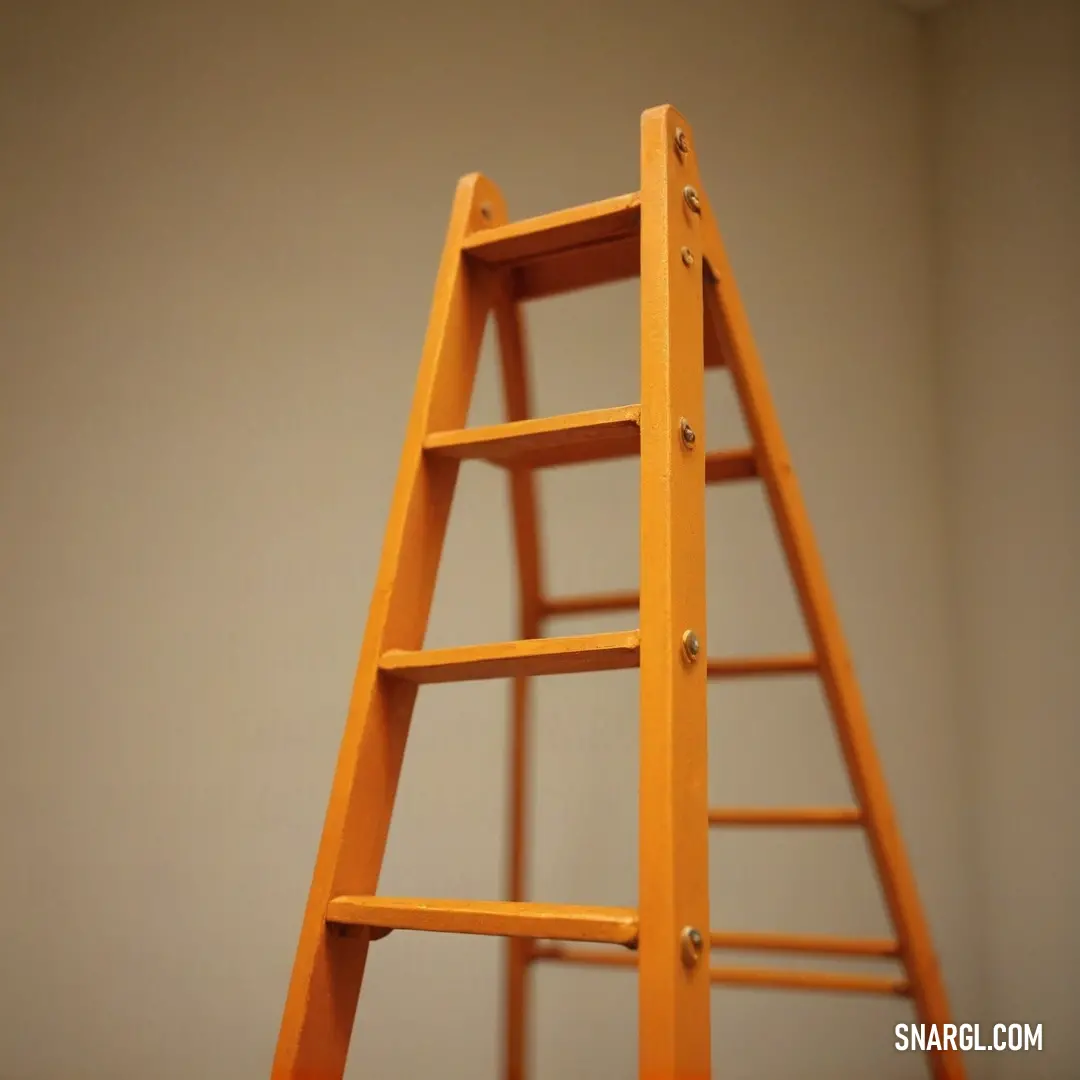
(579, 268)
(598, 435)
(722, 466)
(761, 665)
(567, 250)
(536, 656)
(550, 234)
(766, 978)
(818, 944)
(590, 604)
(799, 816)
(587, 957)
(559, 922)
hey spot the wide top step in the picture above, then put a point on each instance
(520, 241)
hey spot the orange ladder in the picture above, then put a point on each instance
(691, 319)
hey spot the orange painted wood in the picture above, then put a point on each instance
(539, 656)
(589, 604)
(836, 982)
(818, 944)
(728, 330)
(550, 234)
(587, 957)
(739, 976)
(523, 500)
(757, 978)
(673, 884)
(787, 816)
(597, 435)
(494, 918)
(601, 263)
(750, 666)
(714, 356)
(328, 969)
(723, 466)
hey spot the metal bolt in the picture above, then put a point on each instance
(691, 645)
(486, 211)
(687, 433)
(687, 256)
(691, 945)
(682, 143)
(692, 200)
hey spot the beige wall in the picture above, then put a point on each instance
(1007, 138)
(220, 231)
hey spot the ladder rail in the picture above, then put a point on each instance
(674, 1037)
(328, 969)
(517, 407)
(727, 324)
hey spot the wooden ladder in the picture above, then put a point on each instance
(691, 319)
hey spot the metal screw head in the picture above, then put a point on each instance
(682, 143)
(691, 945)
(691, 645)
(687, 256)
(686, 433)
(692, 200)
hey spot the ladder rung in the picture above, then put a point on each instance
(560, 922)
(736, 976)
(809, 980)
(597, 435)
(725, 465)
(549, 234)
(761, 665)
(819, 944)
(590, 957)
(579, 268)
(796, 816)
(590, 604)
(536, 656)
